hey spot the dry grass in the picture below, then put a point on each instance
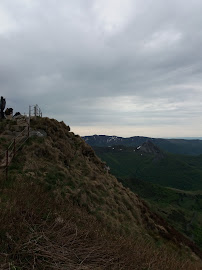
(39, 233)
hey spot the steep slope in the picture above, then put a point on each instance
(59, 170)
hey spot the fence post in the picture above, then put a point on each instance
(28, 130)
(6, 164)
(30, 111)
(35, 110)
(14, 149)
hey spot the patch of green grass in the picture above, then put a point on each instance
(35, 139)
(15, 165)
(54, 176)
(2, 139)
(71, 183)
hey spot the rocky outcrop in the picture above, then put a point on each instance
(149, 148)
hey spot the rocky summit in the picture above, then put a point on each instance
(150, 148)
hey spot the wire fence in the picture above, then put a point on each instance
(15, 145)
(7, 155)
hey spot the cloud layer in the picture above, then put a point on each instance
(121, 67)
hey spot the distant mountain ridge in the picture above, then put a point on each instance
(176, 146)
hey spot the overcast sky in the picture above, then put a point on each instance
(115, 67)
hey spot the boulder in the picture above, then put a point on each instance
(38, 133)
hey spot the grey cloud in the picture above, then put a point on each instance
(60, 55)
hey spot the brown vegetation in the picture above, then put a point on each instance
(38, 232)
(60, 209)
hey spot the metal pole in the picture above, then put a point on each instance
(35, 110)
(29, 111)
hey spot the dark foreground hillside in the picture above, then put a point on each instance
(60, 209)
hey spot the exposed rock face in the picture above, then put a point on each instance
(149, 148)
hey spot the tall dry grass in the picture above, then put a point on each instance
(39, 232)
